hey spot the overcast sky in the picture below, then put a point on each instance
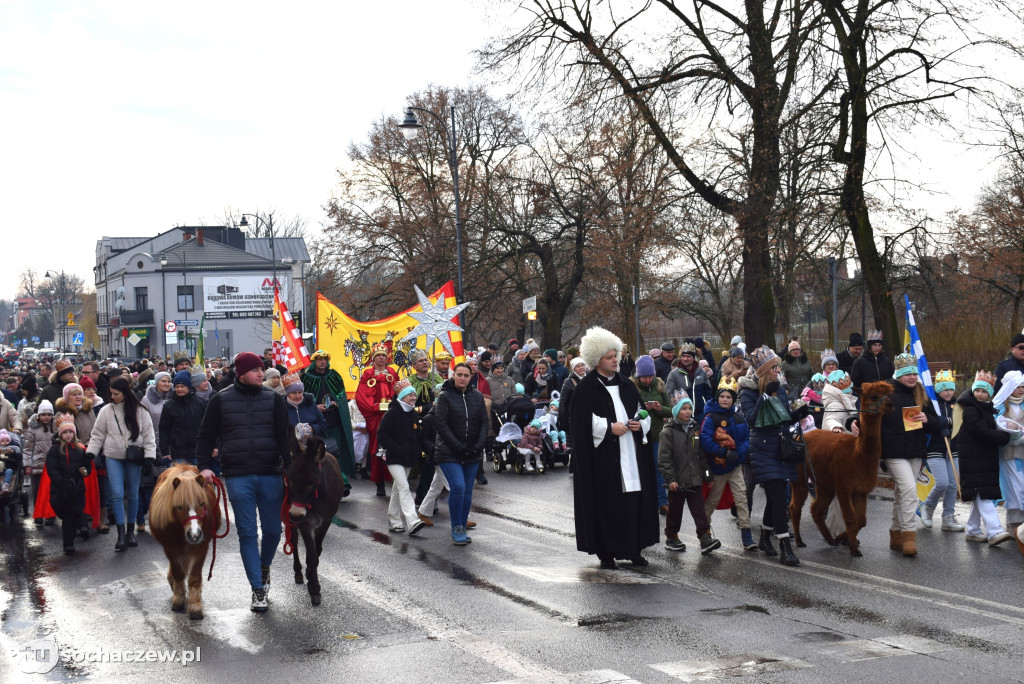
(128, 118)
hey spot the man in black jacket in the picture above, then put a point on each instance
(250, 422)
(853, 351)
(180, 420)
(873, 365)
(1014, 362)
(663, 364)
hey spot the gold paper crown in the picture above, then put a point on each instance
(761, 356)
(945, 376)
(985, 376)
(875, 335)
(729, 384)
(442, 356)
(904, 361)
(688, 348)
(380, 348)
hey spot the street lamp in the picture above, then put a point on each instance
(184, 286)
(270, 229)
(808, 297)
(410, 128)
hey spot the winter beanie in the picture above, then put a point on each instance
(644, 366)
(183, 377)
(245, 362)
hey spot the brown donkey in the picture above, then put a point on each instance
(843, 467)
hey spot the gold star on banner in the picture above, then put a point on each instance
(435, 321)
(332, 323)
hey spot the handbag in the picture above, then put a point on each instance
(133, 453)
(792, 448)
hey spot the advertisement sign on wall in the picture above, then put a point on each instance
(246, 296)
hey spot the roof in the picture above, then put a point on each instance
(120, 244)
(284, 248)
(213, 256)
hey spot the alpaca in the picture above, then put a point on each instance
(844, 467)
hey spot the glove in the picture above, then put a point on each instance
(732, 457)
(772, 387)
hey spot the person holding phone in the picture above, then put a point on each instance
(657, 404)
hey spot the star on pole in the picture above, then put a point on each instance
(435, 321)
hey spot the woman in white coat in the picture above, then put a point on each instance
(122, 423)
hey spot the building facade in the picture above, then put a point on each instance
(154, 295)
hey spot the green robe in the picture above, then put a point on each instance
(332, 384)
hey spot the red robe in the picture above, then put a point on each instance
(368, 400)
(92, 498)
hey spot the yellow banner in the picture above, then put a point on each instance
(348, 341)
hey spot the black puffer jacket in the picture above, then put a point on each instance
(249, 424)
(978, 445)
(460, 419)
(870, 368)
(898, 442)
(400, 435)
(179, 427)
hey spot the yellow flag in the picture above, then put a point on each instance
(348, 341)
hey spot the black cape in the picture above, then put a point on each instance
(610, 522)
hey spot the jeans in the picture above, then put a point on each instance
(461, 477)
(662, 492)
(945, 485)
(8, 476)
(249, 495)
(124, 489)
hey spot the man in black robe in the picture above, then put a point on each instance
(614, 486)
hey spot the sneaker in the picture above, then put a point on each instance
(748, 539)
(481, 479)
(977, 538)
(397, 529)
(416, 527)
(673, 544)
(951, 524)
(528, 467)
(259, 602)
(6, 489)
(925, 512)
(470, 524)
(459, 536)
(1000, 538)
(708, 543)
(265, 574)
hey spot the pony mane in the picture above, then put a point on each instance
(166, 497)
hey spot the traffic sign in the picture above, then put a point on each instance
(35, 338)
(78, 339)
(187, 323)
(530, 304)
(134, 339)
(171, 326)
(171, 338)
(71, 320)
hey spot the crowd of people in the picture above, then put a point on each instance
(668, 431)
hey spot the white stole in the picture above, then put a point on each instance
(627, 446)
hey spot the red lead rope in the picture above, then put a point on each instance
(222, 495)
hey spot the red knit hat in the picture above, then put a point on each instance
(86, 382)
(245, 362)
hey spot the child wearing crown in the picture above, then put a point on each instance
(978, 443)
(944, 471)
(1009, 401)
(725, 441)
(840, 404)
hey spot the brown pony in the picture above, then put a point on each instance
(845, 467)
(183, 517)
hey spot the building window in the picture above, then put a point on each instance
(141, 298)
(185, 298)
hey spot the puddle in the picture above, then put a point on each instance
(520, 521)
(610, 619)
(818, 637)
(735, 610)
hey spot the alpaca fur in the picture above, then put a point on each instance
(596, 343)
(844, 467)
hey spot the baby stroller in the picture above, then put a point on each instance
(18, 494)
(512, 418)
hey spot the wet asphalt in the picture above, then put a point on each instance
(521, 604)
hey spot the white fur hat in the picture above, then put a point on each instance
(596, 343)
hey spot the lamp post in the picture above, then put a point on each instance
(808, 297)
(410, 128)
(269, 225)
(63, 307)
(184, 287)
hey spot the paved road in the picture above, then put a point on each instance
(520, 604)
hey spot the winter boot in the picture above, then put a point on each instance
(786, 555)
(708, 543)
(926, 512)
(380, 489)
(951, 524)
(129, 536)
(895, 540)
(909, 545)
(119, 544)
(748, 539)
(766, 543)
(673, 544)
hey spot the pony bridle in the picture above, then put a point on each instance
(874, 407)
(191, 520)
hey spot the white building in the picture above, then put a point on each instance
(185, 276)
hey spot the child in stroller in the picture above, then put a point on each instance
(531, 447)
(10, 461)
(557, 442)
(512, 418)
